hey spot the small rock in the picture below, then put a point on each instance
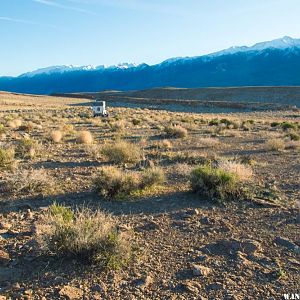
(71, 293)
(191, 287)
(287, 244)
(215, 286)
(4, 258)
(5, 226)
(199, 270)
(144, 282)
(99, 287)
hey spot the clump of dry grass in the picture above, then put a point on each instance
(176, 131)
(152, 177)
(208, 142)
(13, 124)
(85, 137)
(274, 145)
(30, 182)
(122, 152)
(112, 183)
(118, 126)
(164, 144)
(7, 158)
(56, 136)
(90, 236)
(242, 171)
(27, 148)
(93, 150)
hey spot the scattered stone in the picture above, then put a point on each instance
(207, 221)
(215, 286)
(231, 247)
(191, 287)
(4, 258)
(150, 225)
(71, 293)
(5, 226)
(99, 287)
(143, 282)
(199, 270)
(287, 244)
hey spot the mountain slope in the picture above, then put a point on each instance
(272, 63)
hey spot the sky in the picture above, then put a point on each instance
(41, 33)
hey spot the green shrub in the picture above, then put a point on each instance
(275, 124)
(122, 152)
(7, 158)
(136, 122)
(2, 129)
(112, 183)
(214, 122)
(294, 136)
(288, 125)
(89, 236)
(214, 183)
(175, 131)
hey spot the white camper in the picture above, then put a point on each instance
(99, 109)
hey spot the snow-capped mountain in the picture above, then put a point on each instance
(271, 63)
(71, 68)
(283, 43)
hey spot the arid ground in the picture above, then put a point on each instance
(186, 242)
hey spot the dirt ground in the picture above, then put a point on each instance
(188, 246)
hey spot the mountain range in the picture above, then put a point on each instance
(272, 63)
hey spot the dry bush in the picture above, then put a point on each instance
(242, 171)
(182, 170)
(90, 236)
(27, 148)
(30, 182)
(93, 150)
(122, 152)
(56, 136)
(274, 145)
(152, 177)
(67, 128)
(176, 131)
(85, 137)
(13, 124)
(208, 142)
(164, 144)
(113, 183)
(118, 126)
(7, 158)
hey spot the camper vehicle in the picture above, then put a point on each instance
(99, 109)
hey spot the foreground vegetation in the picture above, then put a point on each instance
(172, 182)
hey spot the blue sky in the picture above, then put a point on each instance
(41, 33)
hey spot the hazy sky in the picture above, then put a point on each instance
(41, 33)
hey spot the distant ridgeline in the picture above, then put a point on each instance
(275, 63)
